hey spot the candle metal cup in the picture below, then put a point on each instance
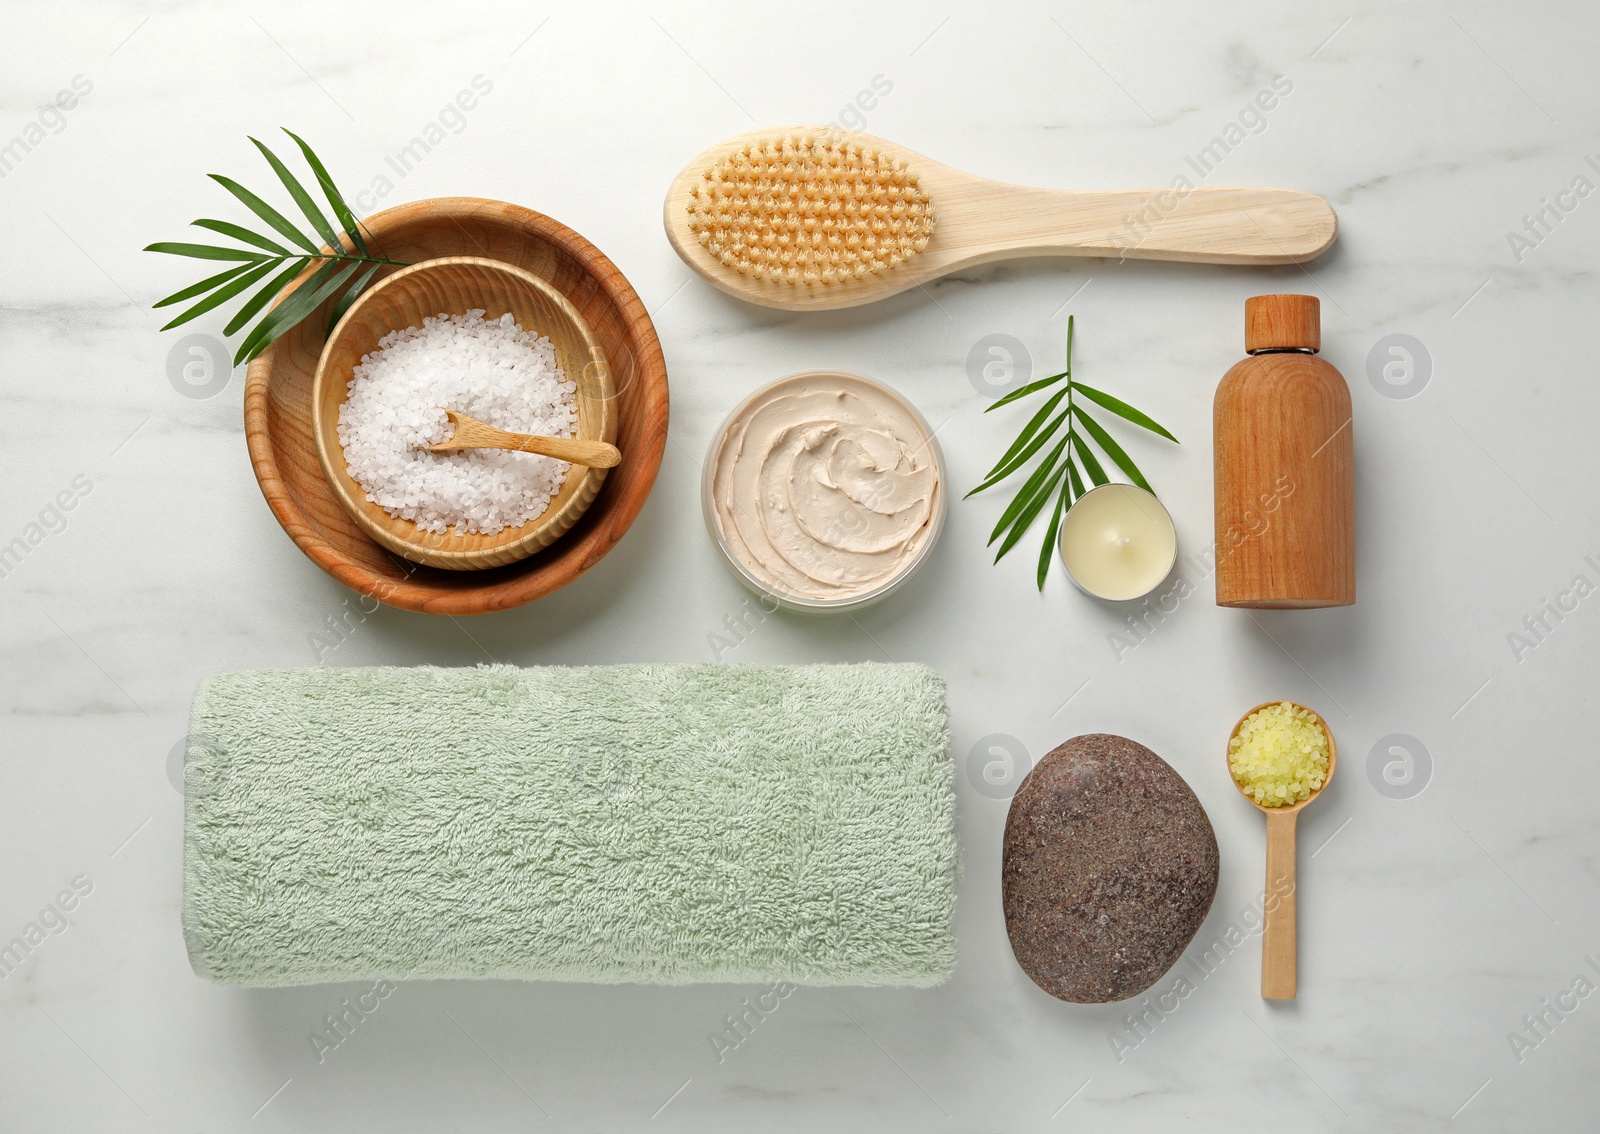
(1151, 507)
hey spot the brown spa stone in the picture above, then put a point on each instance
(1108, 868)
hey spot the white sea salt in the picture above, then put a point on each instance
(489, 369)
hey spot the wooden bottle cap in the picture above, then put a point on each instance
(1282, 322)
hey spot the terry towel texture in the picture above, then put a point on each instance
(661, 824)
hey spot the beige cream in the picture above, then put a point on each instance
(825, 486)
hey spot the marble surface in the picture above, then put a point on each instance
(1441, 906)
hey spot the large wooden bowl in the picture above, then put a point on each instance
(281, 437)
(453, 286)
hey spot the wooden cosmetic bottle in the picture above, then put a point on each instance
(1285, 481)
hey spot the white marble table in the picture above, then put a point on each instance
(1434, 921)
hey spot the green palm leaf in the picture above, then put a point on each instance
(1091, 463)
(246, 349)
(223, 294)
(1030, 388)
(1123, 410)
(266, 212)
(349, 296)
(304, 300)
(1048, 548)
(204, 251)
(301, 198)
(239, 232)
(1026, 517)
(206, 284)
(1030, 429)
(1023, 498)
(1021, 458)
(341, 210)
(341, 258)
(265, 295)
(1113, 450)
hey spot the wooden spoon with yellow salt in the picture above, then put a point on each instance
(1281, 756)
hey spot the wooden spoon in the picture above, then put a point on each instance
(978, 221)
(473, 434)
(1278, 931)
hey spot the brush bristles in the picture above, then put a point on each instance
(807, 210)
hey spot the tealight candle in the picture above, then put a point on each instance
(1118, 542)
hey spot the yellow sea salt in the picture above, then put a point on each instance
(1279, 755)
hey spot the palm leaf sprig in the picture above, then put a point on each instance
(1056, 482)
(336, 244)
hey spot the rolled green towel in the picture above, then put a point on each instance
(660, 824)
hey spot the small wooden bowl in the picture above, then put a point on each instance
(455, 285)
(279, 431)
(1289, 808)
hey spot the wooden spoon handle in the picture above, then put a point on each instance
(1204, 226)
(473, 434)
(1278, 933)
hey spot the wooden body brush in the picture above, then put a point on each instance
(812, 217)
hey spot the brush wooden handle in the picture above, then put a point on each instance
(473, 434)
(1201, 226)
(1278, 931)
